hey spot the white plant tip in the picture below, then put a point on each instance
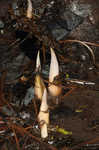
(54, 90)
(44, 105)
(38, 63)
(29, 9)
(43, 116)
(54, 66)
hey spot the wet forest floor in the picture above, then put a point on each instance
(74, 122)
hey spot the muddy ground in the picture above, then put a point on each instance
(74, 121)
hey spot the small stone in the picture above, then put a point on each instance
(1, 24)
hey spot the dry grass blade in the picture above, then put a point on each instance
(16, 139)
(83, 43)
(92, 44)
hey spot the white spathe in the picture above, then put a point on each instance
(29, 9)
(38, 63)
(54, 66)
(39, 84)
(43, 115)
(44, 105)
(54, 90)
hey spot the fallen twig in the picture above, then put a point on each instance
(86, 143)
(83, 43)
(23, 131)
